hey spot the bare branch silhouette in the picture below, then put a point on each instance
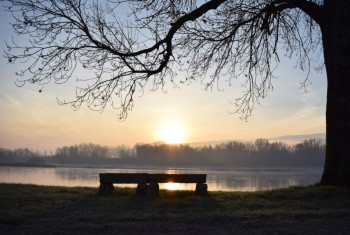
(219, 38)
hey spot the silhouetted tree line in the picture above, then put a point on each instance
(92, 154)
(233, 154)
(22, 155)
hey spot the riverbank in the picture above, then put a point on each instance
(27, 165)
(31, 209)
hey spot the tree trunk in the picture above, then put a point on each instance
(335, 27)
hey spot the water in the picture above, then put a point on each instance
(240, 179)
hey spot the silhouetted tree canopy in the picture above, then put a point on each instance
(128, 44)
(156, 40)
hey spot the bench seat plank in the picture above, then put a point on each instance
(135, 178)
(124, 178)
(177, 178)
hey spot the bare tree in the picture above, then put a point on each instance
(207, 40)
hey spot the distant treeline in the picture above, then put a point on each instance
(233, 154)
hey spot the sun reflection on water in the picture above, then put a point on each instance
(172, 186)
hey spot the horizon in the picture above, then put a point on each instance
(290, 140)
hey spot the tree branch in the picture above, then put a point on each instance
(312, 9)
(219, 39)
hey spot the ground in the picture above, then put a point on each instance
(29, 209)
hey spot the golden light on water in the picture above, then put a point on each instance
(172, 186)
(171, 132)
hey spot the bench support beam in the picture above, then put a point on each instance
(201, 189)
(106, 189)
(152, 190)
(141, 189)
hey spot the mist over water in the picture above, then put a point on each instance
(234, 179)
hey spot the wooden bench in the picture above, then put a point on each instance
(147, 184)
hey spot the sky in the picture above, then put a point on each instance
(36, 121)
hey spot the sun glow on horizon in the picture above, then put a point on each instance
(171, 133)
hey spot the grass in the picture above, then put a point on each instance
(27, 208)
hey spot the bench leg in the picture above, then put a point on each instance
(152, 190)
(141, 189)
(106, 189)
(201, 189)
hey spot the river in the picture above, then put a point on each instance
(236, 179)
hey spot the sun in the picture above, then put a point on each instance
(171, 133)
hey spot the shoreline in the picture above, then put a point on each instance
(147, 167)
(27, 165)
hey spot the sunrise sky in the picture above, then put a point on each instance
(35, 120)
